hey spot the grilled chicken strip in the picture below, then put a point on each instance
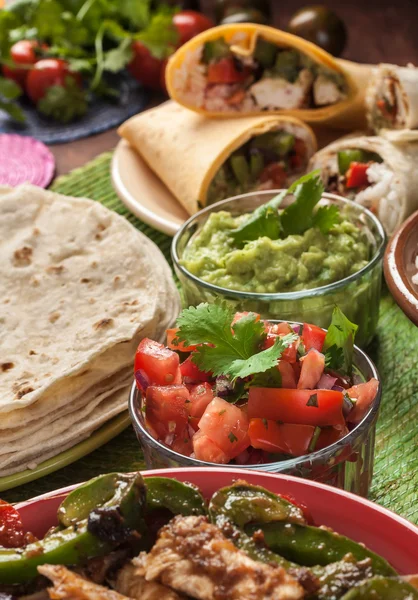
(131, 582)
(194, 558)
(70, 586)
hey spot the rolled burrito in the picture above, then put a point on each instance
(204, 160)
(392, 98)
(249, 69)
(374, 172)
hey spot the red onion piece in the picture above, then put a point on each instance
(326, 382)
(296, 329)
(142, 380)
(338, 388)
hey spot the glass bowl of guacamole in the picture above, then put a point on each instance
(299, 273)
(346, 463)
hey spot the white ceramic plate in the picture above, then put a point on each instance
(143, 193)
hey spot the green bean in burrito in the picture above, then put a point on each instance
(373, 171)
(392, 98)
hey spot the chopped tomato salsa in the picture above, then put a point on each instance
(251, 391)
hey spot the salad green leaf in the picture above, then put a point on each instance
(339, 343)
(9, 91)
(235, 350)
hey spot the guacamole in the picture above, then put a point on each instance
(296, 262)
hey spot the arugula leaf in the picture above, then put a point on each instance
(9, 90)
(326, 217)
(339, 342)
(232, 352)
(64, 103)
(265, 220)
(298, 216)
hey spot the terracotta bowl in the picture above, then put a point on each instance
(399, 267)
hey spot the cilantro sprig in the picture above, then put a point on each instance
(339, 343)
(235, 351)
(296, 218)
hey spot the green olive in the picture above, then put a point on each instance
(320, 25)
(226, 8)
(251, 15)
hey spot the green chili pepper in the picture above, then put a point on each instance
(311, 546)
(115, 515)
(381, 588)
(179, 498)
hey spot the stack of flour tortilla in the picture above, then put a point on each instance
(79, 288)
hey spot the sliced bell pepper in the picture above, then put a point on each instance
(356, 176)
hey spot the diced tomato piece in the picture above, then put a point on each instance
(200, 396)
(356, 176)
(330, 435)
(192, 373)
(205, 449)
(181, 347)
(240, 315)
(313, 365)
(182, 443)
(306, 407)
(287, 437)
(157, 364)
(11, 527)
(299, 153)
(288, 374)
(282, 329)
(225, 71)
(166, 409)
(364, 393)
(313, 337)
(227, 426)
(276, 173)
(236, 98)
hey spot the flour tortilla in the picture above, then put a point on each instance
(79, 288)
(76, 281)
(186, 150)
(401, 158)
(406, 91)
(77, 431)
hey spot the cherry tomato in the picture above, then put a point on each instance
(157, 364)
(225, 71)
(145, 67)
(22, 53)
(296, 406)
(189, 23)
(46, 73)
(11, 528)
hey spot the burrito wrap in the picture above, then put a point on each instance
(400, 198)
(243, 37)
(399, 84)
(186, 150)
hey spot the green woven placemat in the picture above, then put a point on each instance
(395, 351)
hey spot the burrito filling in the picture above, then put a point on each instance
(269, 161)
(273, 78)
(387, 112)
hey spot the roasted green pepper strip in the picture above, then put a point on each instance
(111, 522)
(310, 546)
(179, 498)
(381, 588)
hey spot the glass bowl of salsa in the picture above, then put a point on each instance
(346, 463)
(298, 277)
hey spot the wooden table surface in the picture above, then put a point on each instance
(379, 31)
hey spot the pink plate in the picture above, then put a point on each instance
(24, 159)
(381, 530)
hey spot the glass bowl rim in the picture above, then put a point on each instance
(324, 453)
(312, 292)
